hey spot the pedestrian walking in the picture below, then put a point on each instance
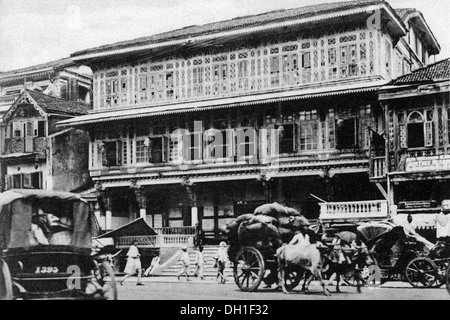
(200, 264)
(184, 257)
(221, 258)
(133, 264)
(154, 264)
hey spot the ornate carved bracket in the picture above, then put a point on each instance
(267, 184)
(104, 200)
(190, 191)
(140, 194)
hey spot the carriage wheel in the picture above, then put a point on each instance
(249, 269)
(109, 288)
(292, 279)
(6, 291)
(421, 273)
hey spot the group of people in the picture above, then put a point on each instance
(221, 259)
(134, 265)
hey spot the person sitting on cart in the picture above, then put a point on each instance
(410, 231)
(337, 254)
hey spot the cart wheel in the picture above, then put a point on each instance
(421, 273)
(249, 269)
(292, 279)
(6, 291)
(109, 288)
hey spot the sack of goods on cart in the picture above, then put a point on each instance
(267, 229)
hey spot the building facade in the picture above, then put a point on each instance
(37, 155)
(205, 123)
(418, 116)
(62, 79)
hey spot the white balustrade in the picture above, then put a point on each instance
(354, 210)
(157, 241)
(175, 230)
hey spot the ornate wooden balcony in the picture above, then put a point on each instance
(276, 64)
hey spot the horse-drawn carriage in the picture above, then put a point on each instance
(405, 257)
(46, 244)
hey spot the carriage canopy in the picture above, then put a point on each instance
(373, 230)
(31, 218)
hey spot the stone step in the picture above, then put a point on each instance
(209, 272)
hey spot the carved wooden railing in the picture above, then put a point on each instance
(273, 64)
(378, 168)
(354, 210)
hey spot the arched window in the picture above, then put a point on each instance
(420, 131)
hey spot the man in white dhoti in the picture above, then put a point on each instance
(133, 264)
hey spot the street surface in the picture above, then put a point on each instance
(159, 289)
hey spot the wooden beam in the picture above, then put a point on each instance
(382, 190)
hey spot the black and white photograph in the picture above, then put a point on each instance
(224, 155)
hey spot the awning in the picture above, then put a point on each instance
(136, 228)
(174, 108)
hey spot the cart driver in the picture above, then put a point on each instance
(410, 231)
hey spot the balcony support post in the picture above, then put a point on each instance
(382, 190)
(192, 200)
(141, 199)
(266, 182)
(104, 201)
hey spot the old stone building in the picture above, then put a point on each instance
(205, 123)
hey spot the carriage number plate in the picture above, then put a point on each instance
(46, 270)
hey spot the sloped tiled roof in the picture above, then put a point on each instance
(237, 23)
(59, 106)
(439, 71)
(57, 64)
